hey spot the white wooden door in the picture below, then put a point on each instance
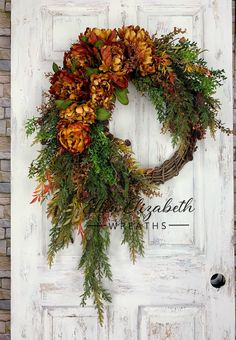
(167, 294)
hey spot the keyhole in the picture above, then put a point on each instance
(217, 280)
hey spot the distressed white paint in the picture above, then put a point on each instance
(72, 323)
(172, 322)
(167, 294)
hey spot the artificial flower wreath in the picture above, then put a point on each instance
(88, 175)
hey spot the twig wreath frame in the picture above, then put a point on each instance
(88, 175)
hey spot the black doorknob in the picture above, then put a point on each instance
(218, 280)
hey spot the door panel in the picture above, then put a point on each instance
(167, 294)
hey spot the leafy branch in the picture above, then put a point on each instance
(95, 264)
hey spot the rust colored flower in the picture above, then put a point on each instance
(83, 113)
(74, 137)
(79, 55)
(115, 64)
(140, 48)
(104, 35)
(113, 58)
(145, 58)
(119, 79)
(86, 113)
(101, 90)
(131, 35)
(66, 85)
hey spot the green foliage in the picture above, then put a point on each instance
(39, 166)
(186, 52)
(84, 38)
(114, 186)
(133, 234)
(73, 66)
(99, 43)
(90, 71)
(122, 96)
(55, 67)
(31, 126)
(156, 96)
(61, 232)
(63, 104)
(99, 156)
(45, 134)
(63, 206)
(95, 263)
(102, 114)
(186, 102)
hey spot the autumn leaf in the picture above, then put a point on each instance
(34, 200)
(106, 55)
(36, 194)
(112, 36)
(81, 231)
(150, 171)
(122, 82)
(92, 38)
(42, 189)
(171, 77)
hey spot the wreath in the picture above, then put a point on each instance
(88, 175)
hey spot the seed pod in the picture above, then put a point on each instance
(85, 194)
(110, 136)
(106, 129)
(40, 121)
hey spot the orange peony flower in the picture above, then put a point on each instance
(83, 113)
(140, 48)
(131, 35)
(66, 85)
(144, 53)
(80, 55)
(105, 35)
(74, 137)
(101, 90)
(112, 58)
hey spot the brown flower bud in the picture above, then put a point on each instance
(40, 121)
(182, 40)
(106, 129)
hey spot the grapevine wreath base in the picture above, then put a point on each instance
(88, 175)
(171, 167)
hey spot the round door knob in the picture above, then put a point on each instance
(218, 280)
